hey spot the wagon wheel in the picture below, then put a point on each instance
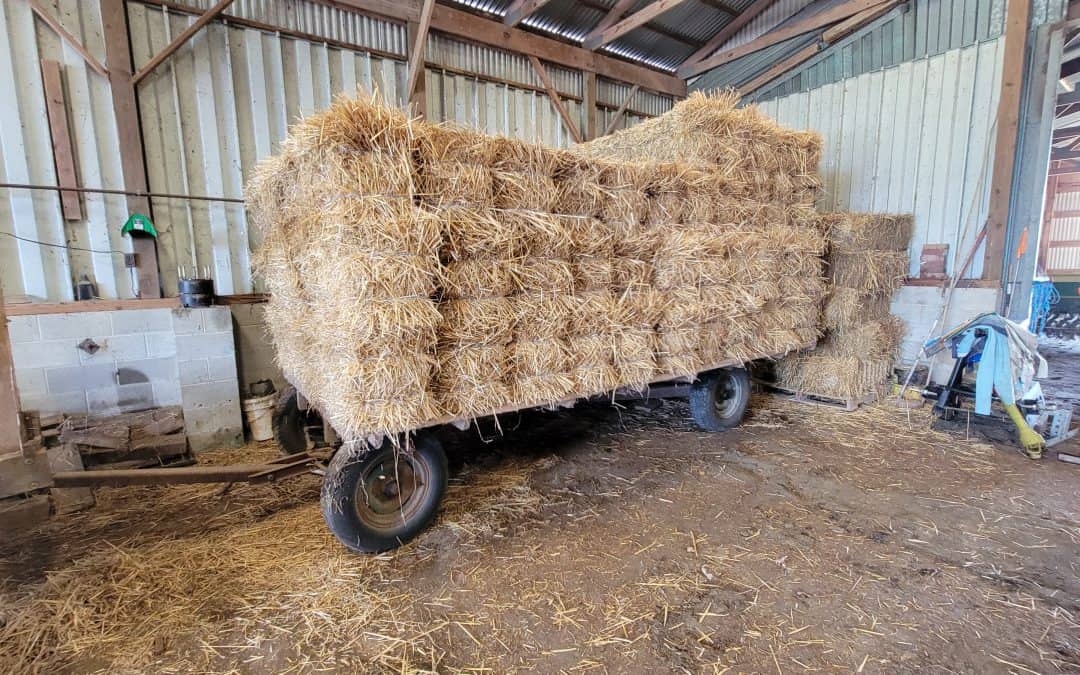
(718, 399)
(384, 498)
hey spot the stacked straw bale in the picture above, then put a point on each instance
(867, 262)
(420, 272)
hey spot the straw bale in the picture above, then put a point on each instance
(530, 390)
(869, 271)
(632, 273)
(472, 364)
(522, 190)
(852, 232)
(456, 183)
(471, 232)
(485, 320)
(846, 377)
(634, 357)
(878, 339)
(539, 274)
(539, 356)
(592, 272)
(464, 401)
(541, 315)
(847, 307)
(477, 278)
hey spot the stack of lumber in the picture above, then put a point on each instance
(130, 440)
(867, 262)
(420, 273)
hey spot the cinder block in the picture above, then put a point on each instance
(216, 319)
(122, 398)
(194, 372)
(30, 381)
(222, 368)
(127, 322)
(75, 325)
(249, 314)
(211, 395)
(204, 346)
(186, 321)
(209, 428)
(160, 344)
(146, 370)
(80, 378)
(167, 393)
(23, 329)
(45, 354)
(72, 403)
(116, 348)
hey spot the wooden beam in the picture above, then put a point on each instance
(590, 106)
(726, 33)
(1064, 168)
(619, 113)
(1066, 214)
(521, 9)
(1063, 243)
(784, 32)
(10, 419)
(1008, 123)
(1057, 155)
(829, 37)
(472, 28)
(180, 40)
(1047, 220)
(419, 44)
(60, 134)
(129, 137)
(67, 37)
(594, 40)
(554, 96)
(617, 11)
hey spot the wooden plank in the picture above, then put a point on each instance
(33, 308)
(786, 32)
(1066, 214)
(1047, 229)
(472, 28)
(589, 103)
(521, 9)
(619, 113)
(726, 33)
(617, 11)
(554, 96)
(1064, 243)
(1065, 169)
(60, 133)
(180, 39)
(596, 39)
(1008, 123)
(129, 137)
(67, 37)
(419, 44)
(11, 422)
(417, 100)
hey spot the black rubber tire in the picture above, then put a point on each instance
(341, 491)
(718, 399)
(288, 423)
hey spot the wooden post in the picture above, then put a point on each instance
(129, 135)
(1008, 122)
(416, 33)
(589, 104)
(11, 432)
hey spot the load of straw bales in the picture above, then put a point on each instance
(867, 262)
(421, 273)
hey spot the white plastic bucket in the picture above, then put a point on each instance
(259, 414)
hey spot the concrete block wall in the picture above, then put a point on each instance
(920, 306)
(254, 353)
(146, 358)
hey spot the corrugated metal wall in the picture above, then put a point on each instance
(210, 113)
(1064, 258)
(913, 138)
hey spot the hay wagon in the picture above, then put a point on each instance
(379, 497)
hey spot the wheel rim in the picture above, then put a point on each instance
(728, 394)
(392, 489)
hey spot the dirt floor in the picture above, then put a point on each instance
(592, 539)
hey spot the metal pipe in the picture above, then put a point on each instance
(125, 193)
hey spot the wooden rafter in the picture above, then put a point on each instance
(829, 37)
(67, 37)
(727, 32)
(191, 30)
(416, 58)
(517, 12)
(617, 11)
(594, 40)
(554, 96)
(622, 108)
(821, 19)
